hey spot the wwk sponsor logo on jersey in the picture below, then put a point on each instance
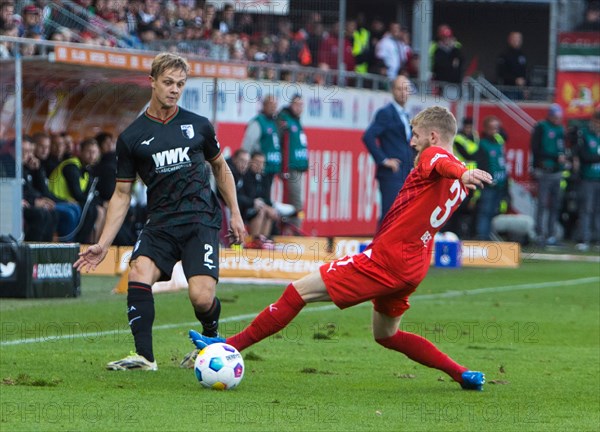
(172, 159)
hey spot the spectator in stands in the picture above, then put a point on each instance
(63, 34)
(68, 213)
(31, 23)
(238, 164)
(106, 168)
(42, 149)
(132, 9)
(377, 31)
(56, 154)
(588, 151)
(359, 39)
(71, 181)
(591, 22)
(147, 35)
(260, 215)
(294, 147)
(227, 22)
(38, 211)
(69, 145)
(316, 34)
(446, 57)
(300, 52)
(30, 49)
(511, 66)
(283, 54)
(393, 51)
(7, 15)
(246, 26)
(411, 68)
(466, 147)
(148, 13)
(549, 161)
(6, 48)
(388, 140)
(219, 50)
(262, 136)
(361, 44)
(491, 158)
(328, 50)
(7, 158)
(208, 25)
(466, 143)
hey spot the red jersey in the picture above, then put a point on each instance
(431, 193)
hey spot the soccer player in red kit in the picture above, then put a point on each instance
(396, 261)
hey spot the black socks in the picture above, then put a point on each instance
(210, 319)
(140, 312)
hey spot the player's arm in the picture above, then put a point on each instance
(118, 206)
(451, 168)
(117, 210)
(226, 185)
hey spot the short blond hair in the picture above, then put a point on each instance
(438, 119)
(165, 61)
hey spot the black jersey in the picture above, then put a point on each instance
(169, 156)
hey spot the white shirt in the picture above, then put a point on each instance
(394, 54)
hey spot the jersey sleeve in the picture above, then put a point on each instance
(441, 162)
(125, 168)
(212, 148)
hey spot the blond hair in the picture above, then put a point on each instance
(165, 61)
(438, 119)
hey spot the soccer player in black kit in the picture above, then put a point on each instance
(167, 147)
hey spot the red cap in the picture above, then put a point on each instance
(32, 9)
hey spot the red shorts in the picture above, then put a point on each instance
(356, 279)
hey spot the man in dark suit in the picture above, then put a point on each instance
(388, 141)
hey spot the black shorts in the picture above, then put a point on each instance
(195, 245)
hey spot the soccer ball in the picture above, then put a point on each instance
(219, 366)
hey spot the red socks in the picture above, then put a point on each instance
(279, 314)
(272, 319)
(419, 349)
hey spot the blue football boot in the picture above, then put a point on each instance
(472, 380)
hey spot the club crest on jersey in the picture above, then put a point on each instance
(187, 131)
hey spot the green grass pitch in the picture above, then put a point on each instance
(534, 332)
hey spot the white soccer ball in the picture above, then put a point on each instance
(219, 366)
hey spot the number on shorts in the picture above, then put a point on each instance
(209, 250)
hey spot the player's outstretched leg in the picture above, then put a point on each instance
(271, 320)
(472, 380)
(419, 349)
(201, 341)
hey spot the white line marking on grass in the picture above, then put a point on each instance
(448, 294)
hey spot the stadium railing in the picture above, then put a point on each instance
(328, 77)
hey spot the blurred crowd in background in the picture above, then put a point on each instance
(378, 46)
